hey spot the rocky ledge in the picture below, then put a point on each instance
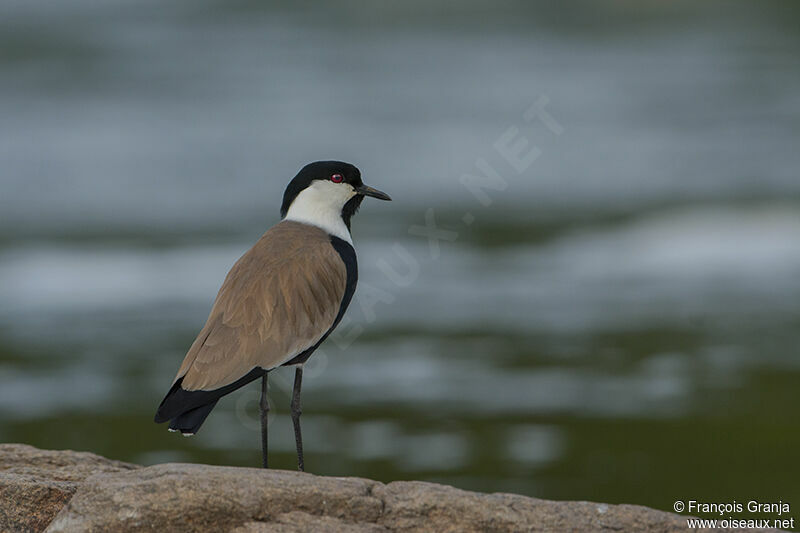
(77, 491)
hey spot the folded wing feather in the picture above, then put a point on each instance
(279, 299)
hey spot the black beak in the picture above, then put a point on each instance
(366, 190)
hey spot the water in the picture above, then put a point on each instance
(620, 323)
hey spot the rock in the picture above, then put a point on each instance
(417, 506)
(300, 522)
(186, 497)
(81, 492)
(55, 465)
(36, 484)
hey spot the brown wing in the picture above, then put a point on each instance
(279, 299)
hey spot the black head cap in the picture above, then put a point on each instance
(319, 170)
(324, 170)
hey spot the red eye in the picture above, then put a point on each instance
(337, 178)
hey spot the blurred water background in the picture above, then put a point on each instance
(620, 324)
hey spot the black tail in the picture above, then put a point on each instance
(189, 422)
(187, 410)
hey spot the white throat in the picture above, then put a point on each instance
(320, 204)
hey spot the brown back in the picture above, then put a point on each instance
(279, 299)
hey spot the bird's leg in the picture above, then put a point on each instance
(296, 412)
(264, 405)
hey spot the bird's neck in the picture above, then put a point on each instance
(314, 208)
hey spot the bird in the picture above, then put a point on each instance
(278, 302)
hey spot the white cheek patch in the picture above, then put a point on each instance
(321, 205)
(336, 194)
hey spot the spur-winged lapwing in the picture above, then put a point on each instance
(279, 302)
